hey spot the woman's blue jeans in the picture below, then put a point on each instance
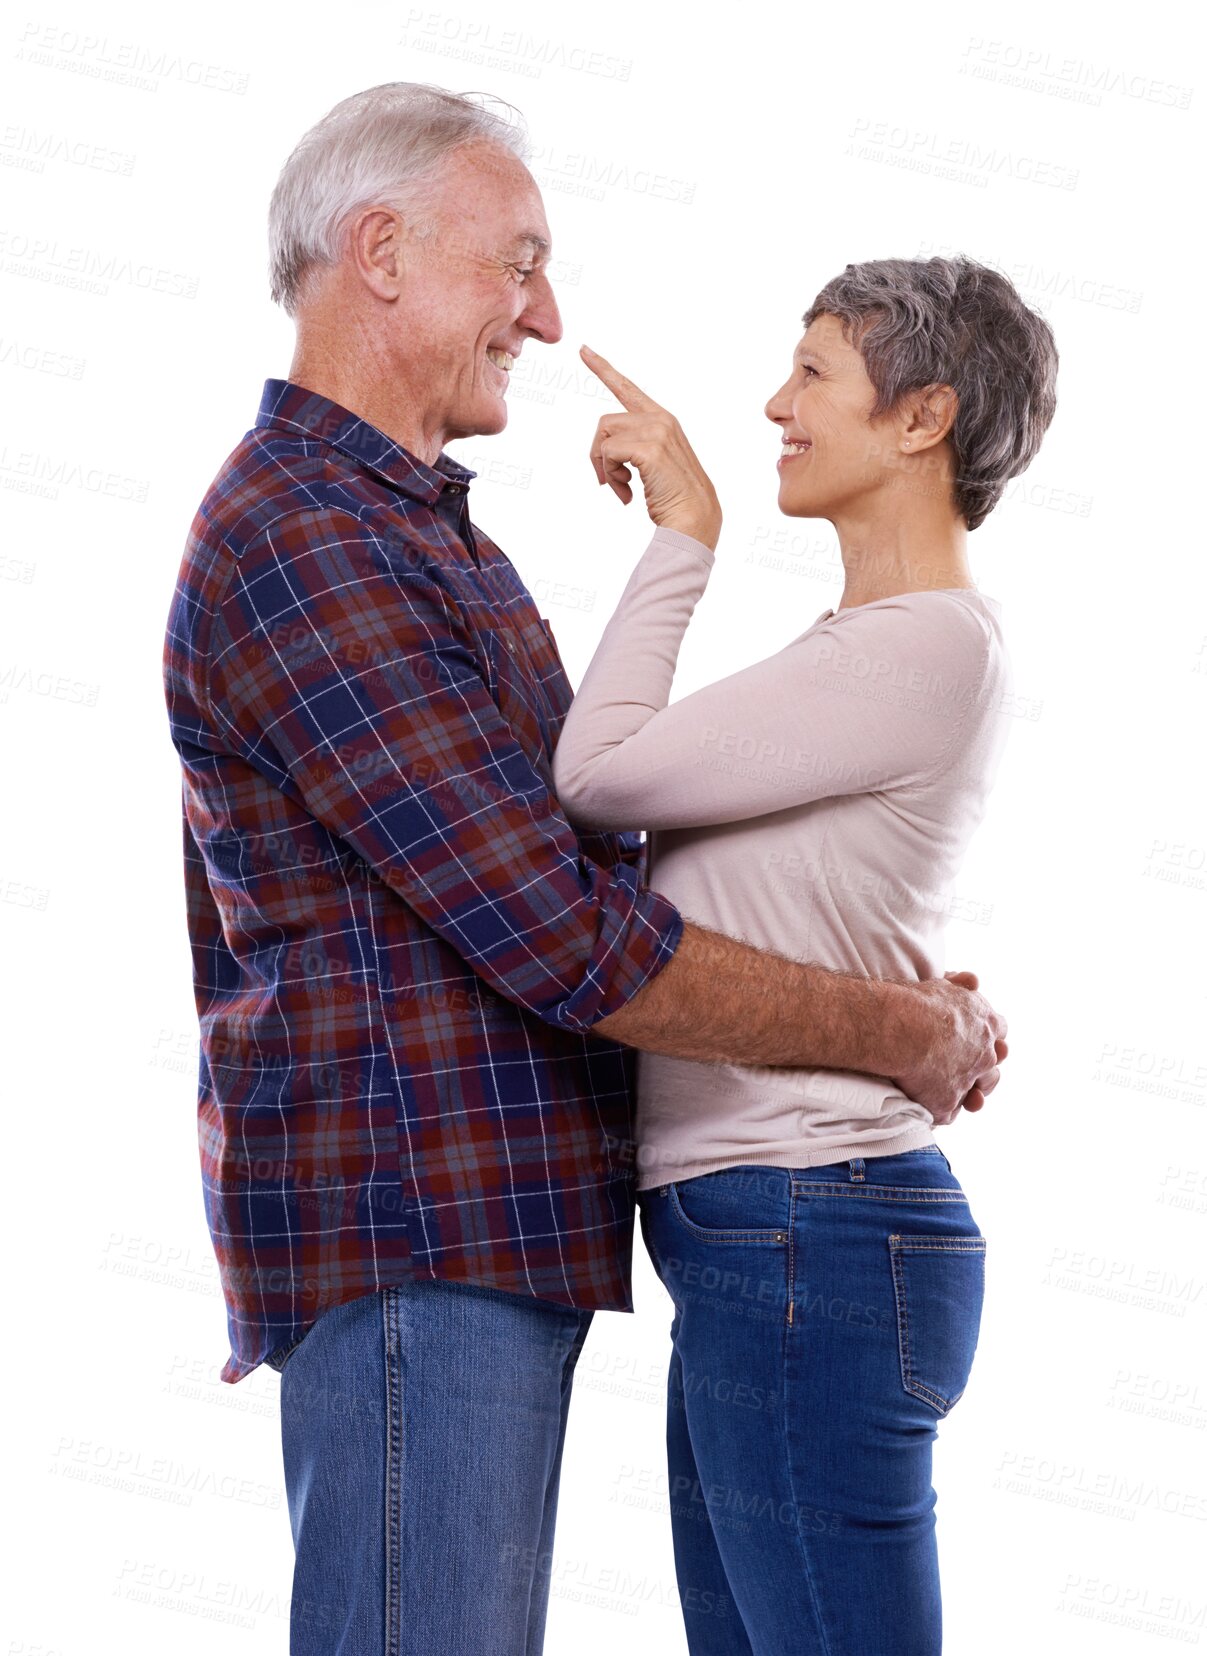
(422, 1428)
(825, 1321)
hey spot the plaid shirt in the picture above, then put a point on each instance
(399, 943)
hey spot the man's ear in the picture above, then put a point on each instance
(377, 244)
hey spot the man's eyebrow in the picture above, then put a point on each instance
(804, 351)
(537, 243)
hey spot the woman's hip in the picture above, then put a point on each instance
(869, 1271)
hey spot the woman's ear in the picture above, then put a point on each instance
(930, 415)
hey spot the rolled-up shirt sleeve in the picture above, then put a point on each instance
(345, 674)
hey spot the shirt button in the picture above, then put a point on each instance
(510, 642)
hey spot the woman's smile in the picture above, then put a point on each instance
(791, 451)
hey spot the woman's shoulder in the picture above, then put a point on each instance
(935, 636)
(937, 619)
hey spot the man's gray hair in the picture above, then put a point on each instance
(919, 322)
(384, 146)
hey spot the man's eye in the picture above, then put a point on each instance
(805, 368)
(524, 270)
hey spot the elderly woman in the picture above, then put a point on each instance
(826, 1270)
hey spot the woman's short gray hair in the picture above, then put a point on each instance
(384, 146)
(918, 322)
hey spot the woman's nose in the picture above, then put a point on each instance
(776, 408)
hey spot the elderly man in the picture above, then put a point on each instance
(419, 988)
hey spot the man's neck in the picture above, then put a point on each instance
(376, 396)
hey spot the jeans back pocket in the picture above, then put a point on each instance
(939, 1285)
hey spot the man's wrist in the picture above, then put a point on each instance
(906, 1027)
(891, 1027)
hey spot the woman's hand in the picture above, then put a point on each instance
(678, 491)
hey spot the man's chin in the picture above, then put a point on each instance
(490, 417)
(486, 419)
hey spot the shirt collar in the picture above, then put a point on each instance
(285, 406)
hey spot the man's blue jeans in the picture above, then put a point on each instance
(422, 1429)
(825, 1321)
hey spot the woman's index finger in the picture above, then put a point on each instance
(622, 388)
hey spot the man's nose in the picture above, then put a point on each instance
(541, 314)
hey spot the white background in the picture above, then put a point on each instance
(703, 178)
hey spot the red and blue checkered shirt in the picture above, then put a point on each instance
(399, 943)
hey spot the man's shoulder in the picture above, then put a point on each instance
(271, 497)
(270, 478)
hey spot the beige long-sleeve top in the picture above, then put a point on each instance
(818, 804)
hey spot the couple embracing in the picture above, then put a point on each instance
(459, 1021)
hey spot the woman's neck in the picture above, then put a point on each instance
(922, 550)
